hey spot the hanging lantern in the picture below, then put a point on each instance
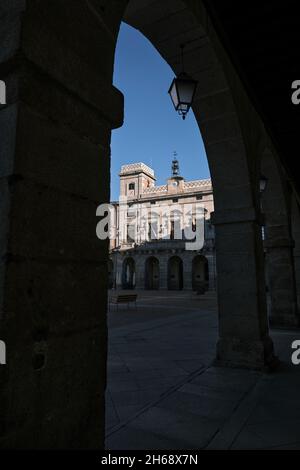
(182, 91)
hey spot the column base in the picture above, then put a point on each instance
(248, 354)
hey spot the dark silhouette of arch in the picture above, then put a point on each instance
(152, 273)
(175, 273)
(200, 273)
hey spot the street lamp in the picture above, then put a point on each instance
(182, 91)
(263, 181)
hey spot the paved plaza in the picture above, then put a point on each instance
(164, 391)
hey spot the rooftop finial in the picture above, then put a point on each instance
(175, 165)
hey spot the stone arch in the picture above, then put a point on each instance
(86, 35)
(152, 273)
(200, 273)
(214, 106)
(224, 116)
(175, 273)
(128, 273)
(58, 127)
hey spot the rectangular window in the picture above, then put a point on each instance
(172, 232)
(130, 233)
(153, 230)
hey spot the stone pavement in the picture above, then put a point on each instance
(164, 392)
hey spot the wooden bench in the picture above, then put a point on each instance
(123, 299)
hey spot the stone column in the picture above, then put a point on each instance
(55, 171)
(163, 271)
(187, 259)
(211, 258)
(140, 260)
(119, 270)
(295, 222)
(281, 277)
(243, 327)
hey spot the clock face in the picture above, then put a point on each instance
(175, 183)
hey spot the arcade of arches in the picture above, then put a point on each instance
(150, 277)
(57, 62)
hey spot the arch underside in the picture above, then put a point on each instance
(167, 28)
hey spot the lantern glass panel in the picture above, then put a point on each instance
(174, 95)
(186, 91)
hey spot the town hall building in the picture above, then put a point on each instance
(160, 259)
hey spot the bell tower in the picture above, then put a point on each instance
(134, 179)
(175, 182)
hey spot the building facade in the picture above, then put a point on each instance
(163, 234)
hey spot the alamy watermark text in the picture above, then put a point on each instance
(139, 223)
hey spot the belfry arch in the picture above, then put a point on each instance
(61, 110)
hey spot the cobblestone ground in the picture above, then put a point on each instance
(165, 393)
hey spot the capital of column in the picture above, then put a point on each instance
(235, 216)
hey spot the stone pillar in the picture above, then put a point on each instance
(281, 277)
(55, 171)
(163, 271)
(295, 222)
(119, 271)
(211, 258)
(140, 270)
(187, 259)
(243, 327)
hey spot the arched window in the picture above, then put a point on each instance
(200, 275)
(152, 273)
(175, 273)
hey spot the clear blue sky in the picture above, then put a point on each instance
(152, 129)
